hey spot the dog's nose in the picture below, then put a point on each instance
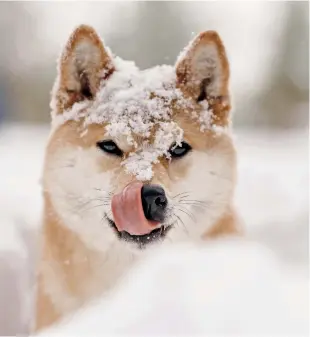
(154, 202)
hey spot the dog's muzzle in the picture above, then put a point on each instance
(138, 212)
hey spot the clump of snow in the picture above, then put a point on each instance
(74, 114)
(132, 102)
(167, 134)
(139, 163)
(139, 105)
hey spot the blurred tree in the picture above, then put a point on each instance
(6, 50)
(152, 33)
(155, 36)
(20, 49)
(284, 101)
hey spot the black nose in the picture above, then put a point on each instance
(154, 202)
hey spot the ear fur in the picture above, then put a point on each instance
(203, 73)
(83, 64)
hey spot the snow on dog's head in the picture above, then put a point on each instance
(140, 155)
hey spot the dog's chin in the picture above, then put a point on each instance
(141, 241)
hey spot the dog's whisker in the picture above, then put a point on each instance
(180, 220)
(190, 215)
(193, 204)
(95, 206)
(177, 195)
(183, 197)
(193, 200)
(101, 190)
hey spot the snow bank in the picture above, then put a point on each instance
(229, 287)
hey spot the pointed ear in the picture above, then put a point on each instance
(203, 72)
(83, 64)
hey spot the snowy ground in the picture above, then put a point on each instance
(272, 197)
(226, 288)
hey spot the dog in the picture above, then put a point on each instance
(135, 159)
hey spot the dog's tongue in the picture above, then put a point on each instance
(128, 211)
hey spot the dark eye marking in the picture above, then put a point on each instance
(177, 151)
(110, 147)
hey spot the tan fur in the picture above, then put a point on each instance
(228, 224)
(73, 259)
(46, 314)
(219, 101)
(64, 253)
(68, 93)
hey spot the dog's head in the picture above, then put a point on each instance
(139, 157)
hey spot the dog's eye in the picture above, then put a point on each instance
(179, 150)
(109, 146)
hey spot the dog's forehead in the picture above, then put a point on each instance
(133, 102)
(137, 97)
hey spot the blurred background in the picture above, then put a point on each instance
(267, 44)
(268, 49)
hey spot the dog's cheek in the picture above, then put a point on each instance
(206, 179)
(79, 192)
(209, 177)
(204, 176)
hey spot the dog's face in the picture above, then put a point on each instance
(140, 157)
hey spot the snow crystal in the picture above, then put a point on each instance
(138, 104)
(139, 163)
(75, 114)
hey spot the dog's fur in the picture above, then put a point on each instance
(81, 256)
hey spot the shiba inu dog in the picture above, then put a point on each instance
(135, 159)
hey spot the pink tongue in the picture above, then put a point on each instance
(128, 211)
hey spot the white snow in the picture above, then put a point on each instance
(228, 287)
(272, 196)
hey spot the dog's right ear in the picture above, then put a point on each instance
(84, 63)
(203, 72)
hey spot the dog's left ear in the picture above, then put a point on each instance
(83, 64)
(203, 73)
